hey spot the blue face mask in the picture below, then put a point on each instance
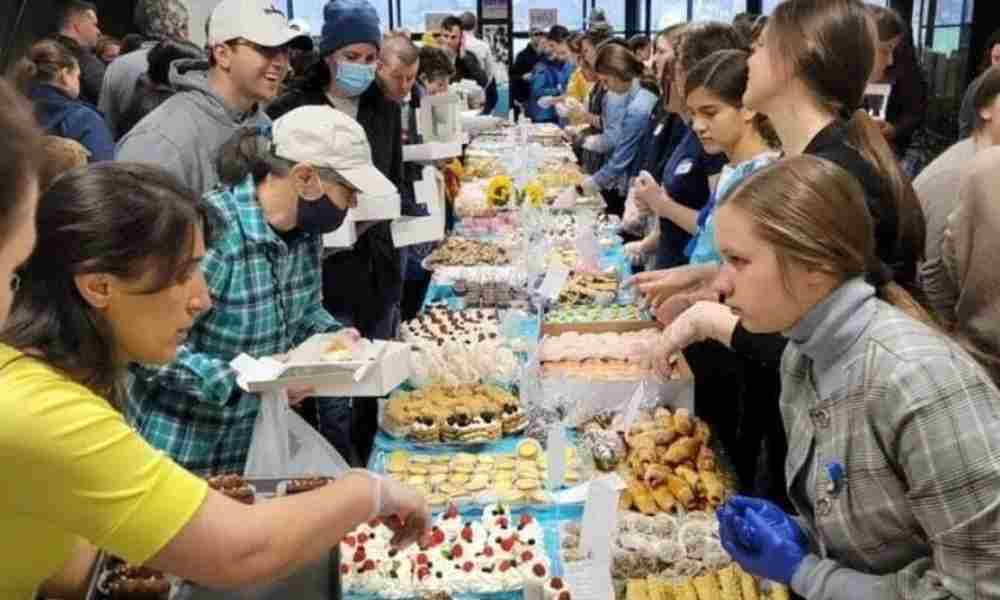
(354, 78)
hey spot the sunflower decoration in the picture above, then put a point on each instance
(500, 191)
(534, 193)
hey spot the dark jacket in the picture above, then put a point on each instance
(91, 69)
(366, 281)
(664, 132)
(908, 101)
(77, 120)
(524, 63)
(468, 67)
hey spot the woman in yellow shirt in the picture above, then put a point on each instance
(114, 278)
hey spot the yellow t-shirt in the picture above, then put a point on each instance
(578, 87)
(72, 468)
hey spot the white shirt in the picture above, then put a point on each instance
(482, 51)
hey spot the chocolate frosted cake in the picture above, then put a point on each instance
(126, 582)
(305, 484)
(233, 486)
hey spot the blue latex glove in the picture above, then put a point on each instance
(769, 545)
(769, 511)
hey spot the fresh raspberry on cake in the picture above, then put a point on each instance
(525, 520)
(564, 595)
(362, 538)
(467, 533)
(369, 565)
(359, 555)
(452, 511)
(350, 540)
(488, 551)
(468, 566)
(456, 551)
(538, 570)
(526, 556)
(422, 559)
(504, 566)
(556, 583)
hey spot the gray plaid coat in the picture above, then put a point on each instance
(915, 424)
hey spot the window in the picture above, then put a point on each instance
(614, 10)
(570, 14)
(718, 10)
(665, 13)
(949, 12)
(312, 12)
(413, 12)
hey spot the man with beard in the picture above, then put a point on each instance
(249, 43)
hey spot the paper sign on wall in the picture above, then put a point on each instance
(543, 18)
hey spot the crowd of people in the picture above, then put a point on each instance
(164, 205)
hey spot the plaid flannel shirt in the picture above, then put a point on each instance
(915, 424)
(267, 298)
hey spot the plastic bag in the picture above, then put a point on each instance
(284, 445)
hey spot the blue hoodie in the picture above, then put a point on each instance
(70, 118)
(549, 79)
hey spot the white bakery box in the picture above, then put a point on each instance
(429, 191)
(378, 200)
(384, 366)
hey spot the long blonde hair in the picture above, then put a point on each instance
(813, 213)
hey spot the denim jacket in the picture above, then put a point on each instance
(624, 125)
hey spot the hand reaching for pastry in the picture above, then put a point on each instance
(402, 509)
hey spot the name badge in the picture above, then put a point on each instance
(684, 167)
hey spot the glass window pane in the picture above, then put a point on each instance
(949, 12)
(614, 10)
(312, 11)
(413, 11)
(570, 13)
(667, 12)
(768, 5)
(717, 10)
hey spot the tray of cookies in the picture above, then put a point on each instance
(519, 477)
(465, 414)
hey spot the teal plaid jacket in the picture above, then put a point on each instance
(267, 298)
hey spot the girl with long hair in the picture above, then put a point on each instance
(893, 429)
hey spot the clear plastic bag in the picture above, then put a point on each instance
(284, 445)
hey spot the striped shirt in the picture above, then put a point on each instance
(915, 424)
(267, 298)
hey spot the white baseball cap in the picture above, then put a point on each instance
(255, 20)
(325, 137)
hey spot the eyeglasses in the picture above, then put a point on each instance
(269, 52)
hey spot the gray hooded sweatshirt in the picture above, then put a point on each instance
(183, 135)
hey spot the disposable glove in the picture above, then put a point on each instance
(704, 320)
(402, 509)
(764, 540)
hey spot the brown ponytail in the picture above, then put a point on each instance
(831, 46)
(44, 61)
(864, 135)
